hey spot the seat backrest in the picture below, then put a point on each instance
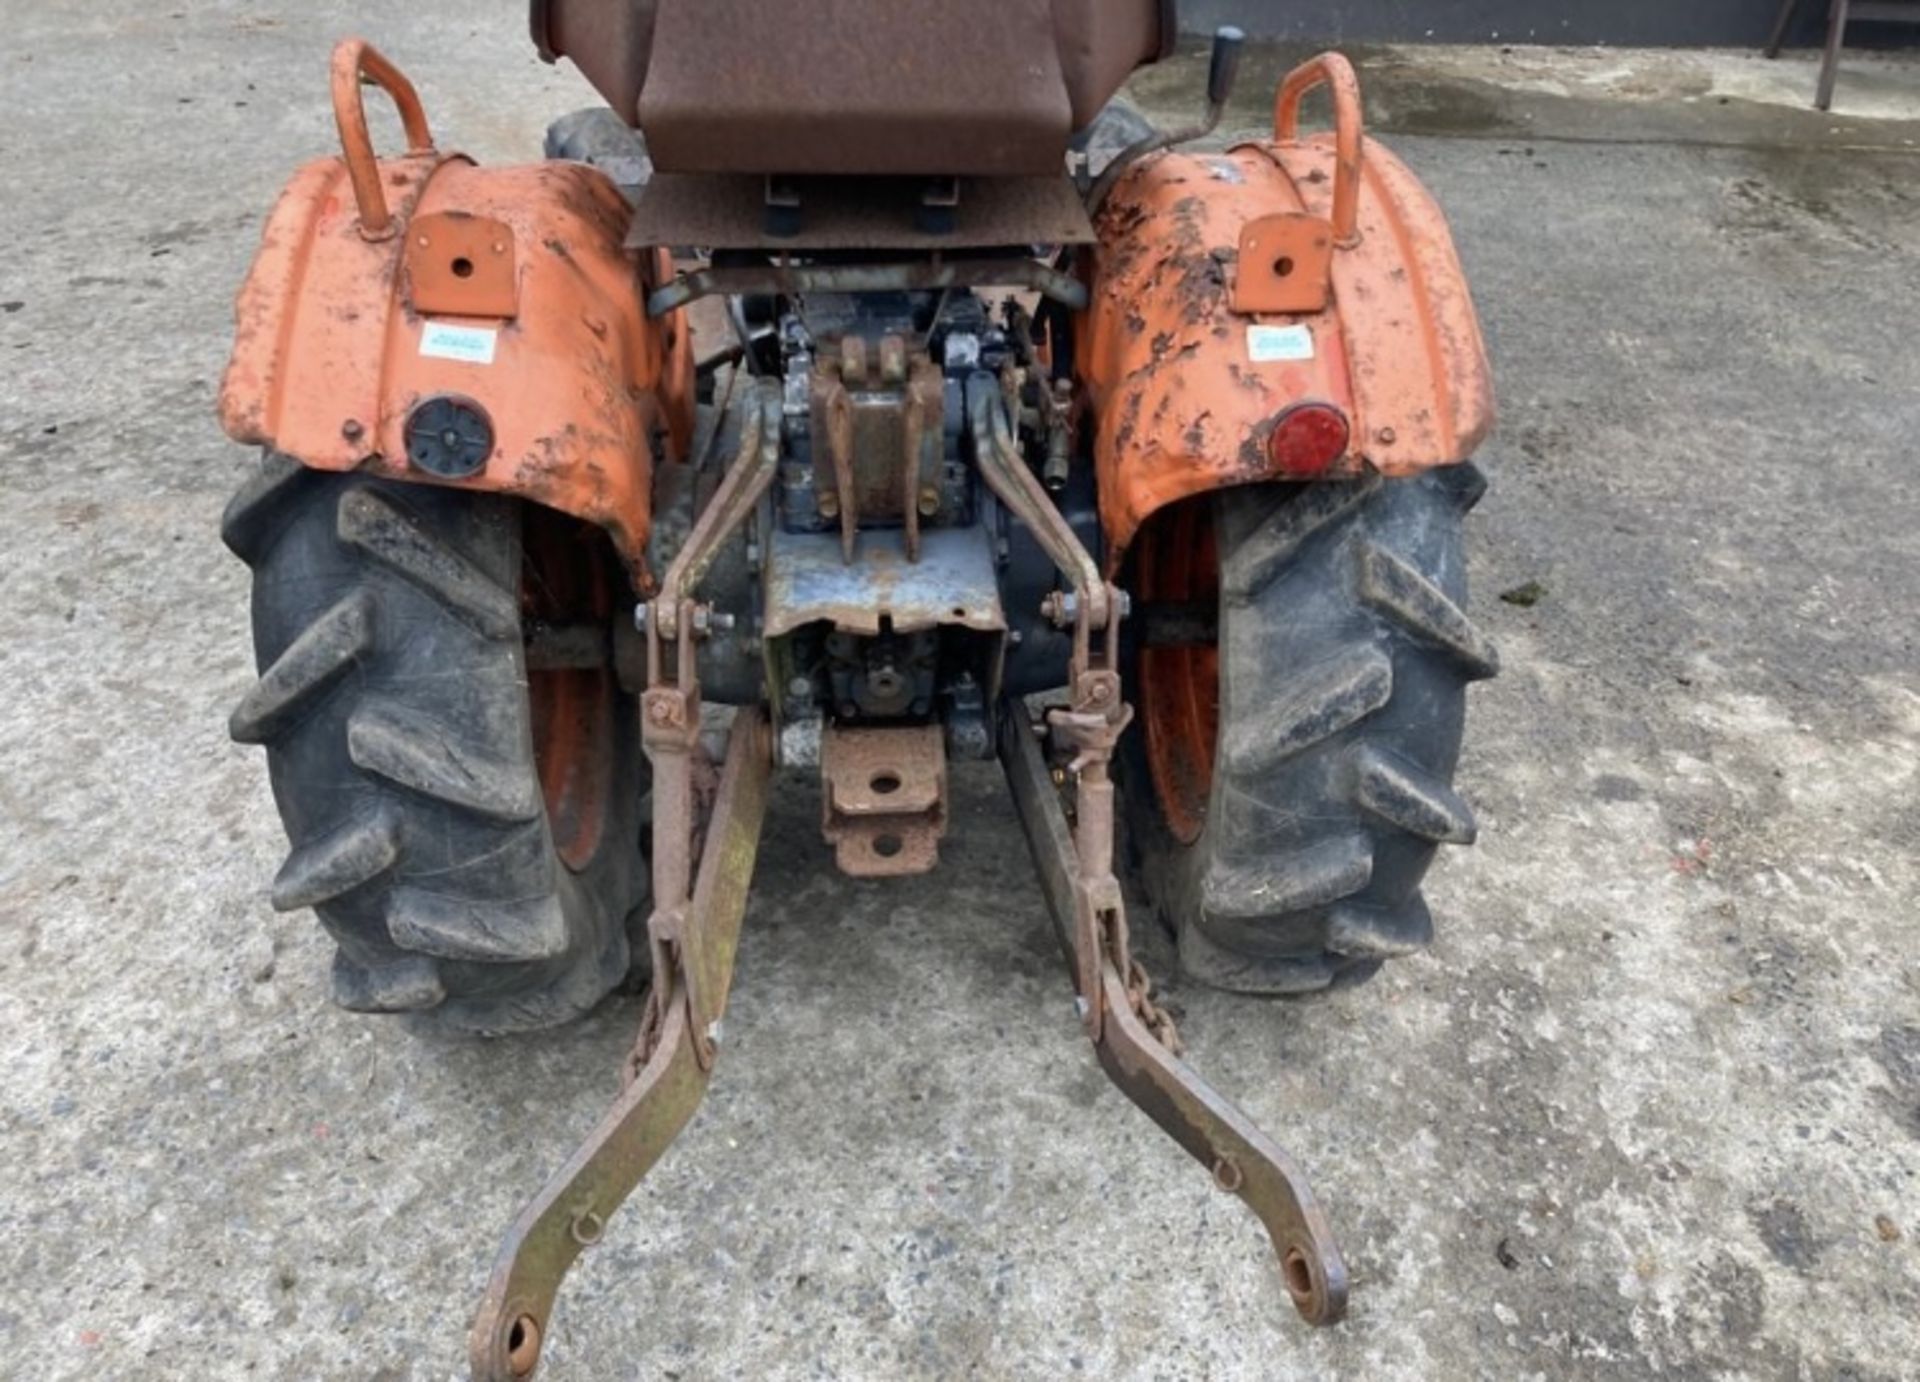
(905, 87)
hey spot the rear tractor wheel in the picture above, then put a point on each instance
(466, 828)
(1290, 782)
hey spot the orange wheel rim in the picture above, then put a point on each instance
(1177, 562)
(565, 580)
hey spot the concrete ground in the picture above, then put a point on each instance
(1650, 1107)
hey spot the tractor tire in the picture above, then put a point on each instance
(1290, 783)
(1117, 128)
(467, 831)
(598, 137)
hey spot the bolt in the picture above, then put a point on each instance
(1387, 436)
(929, 501)
(660, 712)
(800, 687)
(829, 505)
(1100, 691)
(352, 430)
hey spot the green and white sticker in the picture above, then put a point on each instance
(472, 345)
(1269, 344)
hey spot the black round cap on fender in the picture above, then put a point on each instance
(449, 436)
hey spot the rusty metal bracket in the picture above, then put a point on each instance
(883, 798)
(920, 449)
(1285, 264)
(997, 455)
(571, 1211)
(1135, 1045)
(833, 414)
(461, 265)
(747, 479)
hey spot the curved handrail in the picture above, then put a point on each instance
(354, 58)
(1335, 73)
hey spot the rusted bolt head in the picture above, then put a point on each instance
(1100, 691)
(661, 712)
(1387, 436)
(352, 430)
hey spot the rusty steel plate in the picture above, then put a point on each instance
(462, 265)
(808, 581)
(883, 800)
(1285, 264)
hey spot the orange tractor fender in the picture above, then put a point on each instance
(1290, 309)
(385, 284)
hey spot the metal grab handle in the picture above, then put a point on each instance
(1336, 73)
(354, 58)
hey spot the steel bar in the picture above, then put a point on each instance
(1005, 472)
(1243, 1160)
(571, 1210)
(746, 480)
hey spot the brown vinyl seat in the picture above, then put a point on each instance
(895, 87)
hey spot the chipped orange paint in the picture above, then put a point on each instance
(1179, 403)
(327, 360)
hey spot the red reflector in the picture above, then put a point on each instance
(1307, 439)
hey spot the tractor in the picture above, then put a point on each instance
(864, 390)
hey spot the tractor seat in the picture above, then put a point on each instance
(886, 87)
